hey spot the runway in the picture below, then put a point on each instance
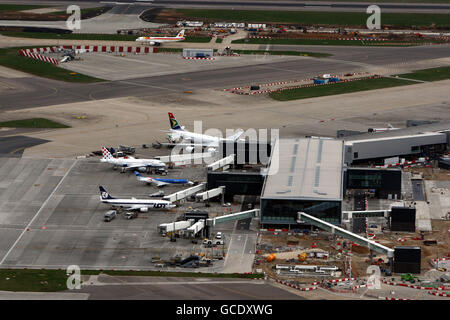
(271, 5)
(346, 59)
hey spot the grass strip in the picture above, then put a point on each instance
(51, 280)
(285, 53)
(317, 17)
(88, 36)
(338, 88)
(432, 74)
(19, 7)
(325, 42)
(33, 123)
(10, 58)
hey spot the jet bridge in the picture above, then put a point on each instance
(367, 213)
(183, 194)
(165, 228)
(211, 222)
(203, 196)
(372, 245)
(222, 163)
(192, 231)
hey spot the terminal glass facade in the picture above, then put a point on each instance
(285, 211)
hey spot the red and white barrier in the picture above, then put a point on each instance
(198, 58)
(291, 285)
(439, 294)
(38, 56)
(413, 287)
(341, 280)
(387, 298)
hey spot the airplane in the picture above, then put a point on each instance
(160, 182)
(69, 54)
(131, 162)
(143, 205)
(178, 134)
(156, 41)
(389, 128)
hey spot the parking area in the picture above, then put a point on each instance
(122, 66)
(51, 217)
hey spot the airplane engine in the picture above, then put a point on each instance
(189, 149)
(142, 169)
(143, 209)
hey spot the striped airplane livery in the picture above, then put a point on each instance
(160, 182)
(156, 41)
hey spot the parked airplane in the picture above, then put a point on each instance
(156, 41)
(190, 140)
(142, 205)
(389, 128)
(69, 54)
(160, 182)
(131, 162)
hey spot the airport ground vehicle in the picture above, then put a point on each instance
(109, 215)
(131, 215)
(210, 242)
(219, 235)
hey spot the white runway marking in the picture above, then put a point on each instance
(135, 60)
(37, 213)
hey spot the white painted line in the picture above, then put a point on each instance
(170, 283)
(37, 213)
(134, 60)
(148, 86)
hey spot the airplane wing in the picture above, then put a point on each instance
(159, 184)
(236, 135)
(136, 207)
(136, 166)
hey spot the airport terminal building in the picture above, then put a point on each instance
(304, 174)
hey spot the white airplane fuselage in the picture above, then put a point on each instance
(134, 162)
(150, 204)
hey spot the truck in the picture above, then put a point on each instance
(110, 215)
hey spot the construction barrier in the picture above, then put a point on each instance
(237, 90)
(412, 286)
(387, 298)
(198, 58)
(341, 280)
(439, 294)
(291, 285)
(38, 56)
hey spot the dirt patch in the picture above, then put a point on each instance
(55, 16)
(431, 173)
(158, 15)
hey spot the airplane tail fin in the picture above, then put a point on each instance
(236, 136)
(174, 125)
(390, 126)
(104, 194)
(137, 174)
(106, 154)
(180, 34)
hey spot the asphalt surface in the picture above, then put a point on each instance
(51, 217)
(418, 190)
(273, 5)
(161, 288)
(346, 59)
(15, 145)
